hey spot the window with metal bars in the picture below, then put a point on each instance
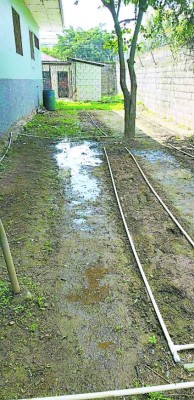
(36, 42)
(31, 37)
(17, 32)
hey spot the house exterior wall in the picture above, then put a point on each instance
(87, 82)
(54, 68)
(166, 83)
(20, 76)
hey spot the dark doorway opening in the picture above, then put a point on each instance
(46, 79)
(63, 88)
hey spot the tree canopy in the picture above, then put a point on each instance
(167, 27)
(88, 45)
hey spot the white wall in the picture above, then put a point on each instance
(20, 76)
(13, 65)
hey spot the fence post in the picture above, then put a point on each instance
(8, 259)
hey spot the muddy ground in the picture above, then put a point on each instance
(89, 324)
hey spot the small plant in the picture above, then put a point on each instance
(117, 328)
(152, 340)
(40, 301)
(158, 396)
(48, 246)
(5, 294)
(33, 327)
(119, 351)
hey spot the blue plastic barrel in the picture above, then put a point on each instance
(49, 101)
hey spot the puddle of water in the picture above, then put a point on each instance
(178, 181)
(94, 293)
(154, 156)
(76, 162)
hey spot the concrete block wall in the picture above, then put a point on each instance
(88, 82)
(166, 83)
(109, 79)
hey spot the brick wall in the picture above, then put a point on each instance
(166, 83)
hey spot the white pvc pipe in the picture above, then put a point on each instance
(119, 393)
(161, 202)
(184, 152)
(8, 147)
(163, 326)
(94, 123)
(188, 346)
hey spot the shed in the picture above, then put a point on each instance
(55, 75)
(85, 80)
(77, 79)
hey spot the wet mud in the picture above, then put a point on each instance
(90, 324)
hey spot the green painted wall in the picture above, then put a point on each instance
(13, 65)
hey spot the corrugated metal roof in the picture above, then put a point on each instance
(46, 57)
(86, 61)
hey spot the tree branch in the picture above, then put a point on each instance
(142, 9)
(127, 20)
(118, 8)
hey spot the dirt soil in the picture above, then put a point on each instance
(89, 324)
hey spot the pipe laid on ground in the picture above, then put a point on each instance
(188, 346)
(94, 123)
(119, 393)
(161, 202)
(8, 147)
(181, 151)
(8, 259)
(161, 321)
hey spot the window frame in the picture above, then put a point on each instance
(36, 42)
(31, 40)
(17, 32)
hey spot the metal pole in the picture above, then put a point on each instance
(8, 259)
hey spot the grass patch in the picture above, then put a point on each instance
(55, 124)
(65, 122)
(109, 103)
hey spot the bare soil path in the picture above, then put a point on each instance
(89, 324)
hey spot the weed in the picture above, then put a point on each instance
(152, 340)
(5, 294)
(18, 309)
(119, 351)
(158, 396)
(40, 301)
(33, 327)
(117, 328)
(80, 351)
(48, 246)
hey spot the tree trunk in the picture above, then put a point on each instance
(127, 126)
(123, 83)
(131, 62)
(129, 98)
(133, 97)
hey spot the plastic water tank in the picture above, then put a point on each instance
(49, 101)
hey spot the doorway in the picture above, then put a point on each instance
(63, 88)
